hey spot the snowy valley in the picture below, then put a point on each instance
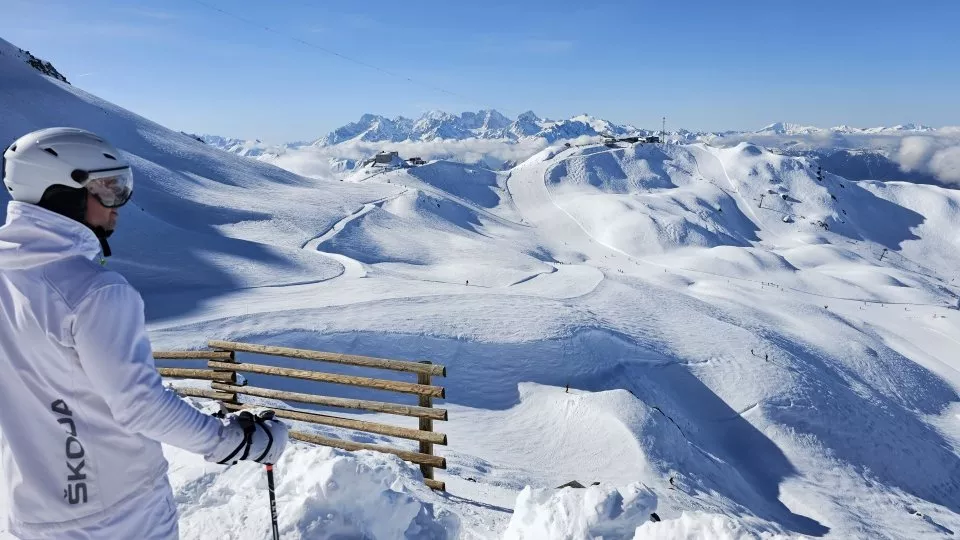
(719, 330)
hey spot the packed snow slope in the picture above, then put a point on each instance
(633, 316)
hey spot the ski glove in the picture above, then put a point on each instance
(252, 435)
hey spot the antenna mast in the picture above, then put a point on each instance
(663, 131)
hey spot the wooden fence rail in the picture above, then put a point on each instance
(341, 403)
(414, 457)
(193, 355)
(359, 425)
(336, 358)
(204, 393)
(184, 373)
(226, 386)
(350, 380)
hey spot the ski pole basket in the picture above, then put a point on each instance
(227, 386)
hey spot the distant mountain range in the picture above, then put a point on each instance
(483, 124)
(783, 128)
(491, 124)
(856, 153)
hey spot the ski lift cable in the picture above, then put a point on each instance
(337, 54)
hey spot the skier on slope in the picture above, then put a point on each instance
(82, 407)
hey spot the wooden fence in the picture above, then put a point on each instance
(226, 386)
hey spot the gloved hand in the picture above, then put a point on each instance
(250, 434)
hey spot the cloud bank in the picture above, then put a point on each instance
(937, 156)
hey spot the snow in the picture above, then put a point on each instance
(630, 316)
(317, 491)
(575, 514)
(693, 525)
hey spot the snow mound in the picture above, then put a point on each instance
(636, 434)
(322, 493)
(574, 514)
(697, 525)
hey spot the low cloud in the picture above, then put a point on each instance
(938, 156)
(945, 165)
(915, 153)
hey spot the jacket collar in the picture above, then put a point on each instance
(34, 235)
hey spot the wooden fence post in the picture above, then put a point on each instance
(426, 424)
(233, 377)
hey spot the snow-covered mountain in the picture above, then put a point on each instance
(712, 332)
(490, 124)
(785, 128)
(43, 66)
(494, 140)
(240, 147)
(483, 124)
(247, 148)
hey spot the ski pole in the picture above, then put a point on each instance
(273, 502)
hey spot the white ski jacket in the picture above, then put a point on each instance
(82, 407)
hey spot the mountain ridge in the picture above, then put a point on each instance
(482, 124)
(491, 124)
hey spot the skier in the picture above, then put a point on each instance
(82, 407)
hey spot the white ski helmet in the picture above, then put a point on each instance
(68, 157)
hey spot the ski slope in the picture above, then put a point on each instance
(737, 373)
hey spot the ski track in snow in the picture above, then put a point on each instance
(353, 269)
(313, 243)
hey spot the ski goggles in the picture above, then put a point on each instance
(112, 187)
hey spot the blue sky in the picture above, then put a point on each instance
(705, 65)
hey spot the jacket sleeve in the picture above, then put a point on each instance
(111, 340)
